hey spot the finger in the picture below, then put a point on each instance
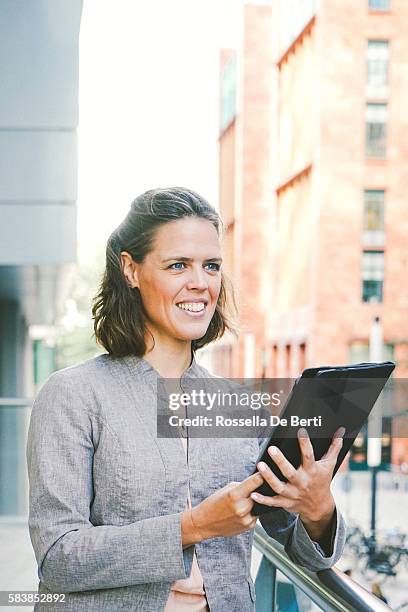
(273, 481)
(245, 506)
(249, 484)
(287, 469)
(251, 524)
(274, 502)
(306, 448)
(285, 489)
(335, 447)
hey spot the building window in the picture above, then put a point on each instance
(377, 68)
(372, 276)
(379, 5)
(373, 233)
(376, 130)
(359, 352)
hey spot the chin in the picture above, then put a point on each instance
(193, 334)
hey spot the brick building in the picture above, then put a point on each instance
(245, 187)
(313, 153)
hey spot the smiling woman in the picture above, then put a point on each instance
(121, 518)
(168, 251)
(179, 280)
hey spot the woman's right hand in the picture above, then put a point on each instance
(227, 512)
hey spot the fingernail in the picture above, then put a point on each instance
(302, 432)
(341, 432)
(273, 450)
(261, 466)
(255, 496)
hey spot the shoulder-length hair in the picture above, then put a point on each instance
(118, 313)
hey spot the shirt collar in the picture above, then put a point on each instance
(143, 367)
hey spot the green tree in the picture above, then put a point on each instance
(75, 341)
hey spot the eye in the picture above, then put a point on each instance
(214, 267)
(177, 265)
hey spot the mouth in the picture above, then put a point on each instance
(193, 309)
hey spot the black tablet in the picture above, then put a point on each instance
(322, 400)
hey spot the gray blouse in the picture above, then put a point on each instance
(107, 495)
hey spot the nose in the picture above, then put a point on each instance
(197, 279)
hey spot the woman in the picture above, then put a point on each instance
(119, 518)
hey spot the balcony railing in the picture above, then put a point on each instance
(330, 590)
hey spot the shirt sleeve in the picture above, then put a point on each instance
(288, 529)
(73, 554)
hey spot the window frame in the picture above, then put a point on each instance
(377, 68)
(372, 271)
(373, 236)
(376, 148)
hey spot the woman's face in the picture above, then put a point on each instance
(180, 279)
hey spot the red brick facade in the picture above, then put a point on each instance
(293, 172)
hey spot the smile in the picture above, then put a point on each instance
(192, 308)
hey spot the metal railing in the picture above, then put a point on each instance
(330, 589)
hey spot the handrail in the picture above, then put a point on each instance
(330, 589)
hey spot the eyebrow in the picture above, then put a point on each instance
(189, 259)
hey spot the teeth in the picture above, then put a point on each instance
(192, 306)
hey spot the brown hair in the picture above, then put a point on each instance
(118, 313)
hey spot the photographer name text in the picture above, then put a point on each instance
(252, 421)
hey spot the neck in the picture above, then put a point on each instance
(169, 360)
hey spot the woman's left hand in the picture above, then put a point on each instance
(307, 491)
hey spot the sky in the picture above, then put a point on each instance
(148, 103)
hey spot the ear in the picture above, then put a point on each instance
(129, 268)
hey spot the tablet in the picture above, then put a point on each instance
(324, 399)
